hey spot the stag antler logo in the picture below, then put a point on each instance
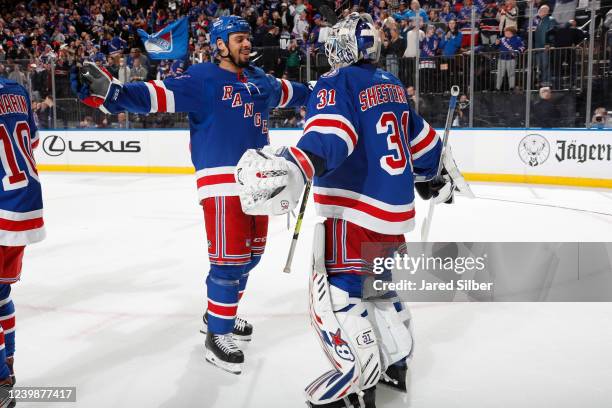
(534, 150)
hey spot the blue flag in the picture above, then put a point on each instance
(168, 43)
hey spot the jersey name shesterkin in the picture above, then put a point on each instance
(374, 146)
(228, 114)
(21, 206)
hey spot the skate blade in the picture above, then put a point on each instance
(234, 368)
(236, 337)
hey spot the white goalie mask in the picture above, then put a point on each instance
(353, 39)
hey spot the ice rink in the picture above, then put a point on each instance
(111, 303)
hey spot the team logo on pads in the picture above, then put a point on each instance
(341, 347)
(534, 150)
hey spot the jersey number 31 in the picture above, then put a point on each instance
(15, 177)
(387, 124)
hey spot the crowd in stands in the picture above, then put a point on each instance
(38, 36)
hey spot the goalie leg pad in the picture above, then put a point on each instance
(392, 322)
(345, 333)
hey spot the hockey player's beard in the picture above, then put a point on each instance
(238, 61)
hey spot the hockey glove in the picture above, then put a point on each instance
(94, 85)
(268, 184)
(441, 188)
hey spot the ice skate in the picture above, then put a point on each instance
(222, 351)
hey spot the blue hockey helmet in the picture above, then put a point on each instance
(353, 39)
(226, 25)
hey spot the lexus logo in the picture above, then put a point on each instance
(54, 145)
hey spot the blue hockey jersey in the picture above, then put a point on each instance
(21, 219)
(374, 146)
(228, 114)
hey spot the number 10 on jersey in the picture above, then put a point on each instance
(15, 177)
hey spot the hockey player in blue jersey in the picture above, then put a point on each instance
(365, 151)
(228, 105)
(21, 219)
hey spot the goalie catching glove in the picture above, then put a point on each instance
(442, 188)
(94, 85)
(271, 182)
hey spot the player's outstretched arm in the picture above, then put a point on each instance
(96, 87)
(288, 94)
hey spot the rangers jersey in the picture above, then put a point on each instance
(373, 145)
(228, 114)
(21, 219)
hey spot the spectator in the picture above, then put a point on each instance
(17, 76)
(510, 46)
(462, 112)
(429, 47)
(451, 42)
(301, 27)
(413, 42)
(565, 39)
(319, 32)
(489, 26)
(546, 114)
(416, 15)
(508, 15)
(124, 72)
(259, 32)
(138, 72)
(87, 122)
(447, 14)
(393, 49)
(543, 25)
(451, 46)
(122, 121)
(601, 119)
(44, 113)
(292, 65)
(112, 66)
(136, 54)
(301, 119)
(427, 65)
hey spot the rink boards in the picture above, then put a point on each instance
(571, 157)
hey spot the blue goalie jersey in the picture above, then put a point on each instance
(374, 146)
(228, 114)
(21, 219)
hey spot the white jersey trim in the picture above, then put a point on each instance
(220, 183)
(373, 215)
(19, 238)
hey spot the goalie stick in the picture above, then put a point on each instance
(298, 227)
(449, 120)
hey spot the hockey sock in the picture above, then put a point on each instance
(223, 284)
(245, 275)
(4, 370)
(242, 284)
(7, 318)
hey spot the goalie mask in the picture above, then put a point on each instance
(351, 40)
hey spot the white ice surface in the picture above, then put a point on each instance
(111, 303)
